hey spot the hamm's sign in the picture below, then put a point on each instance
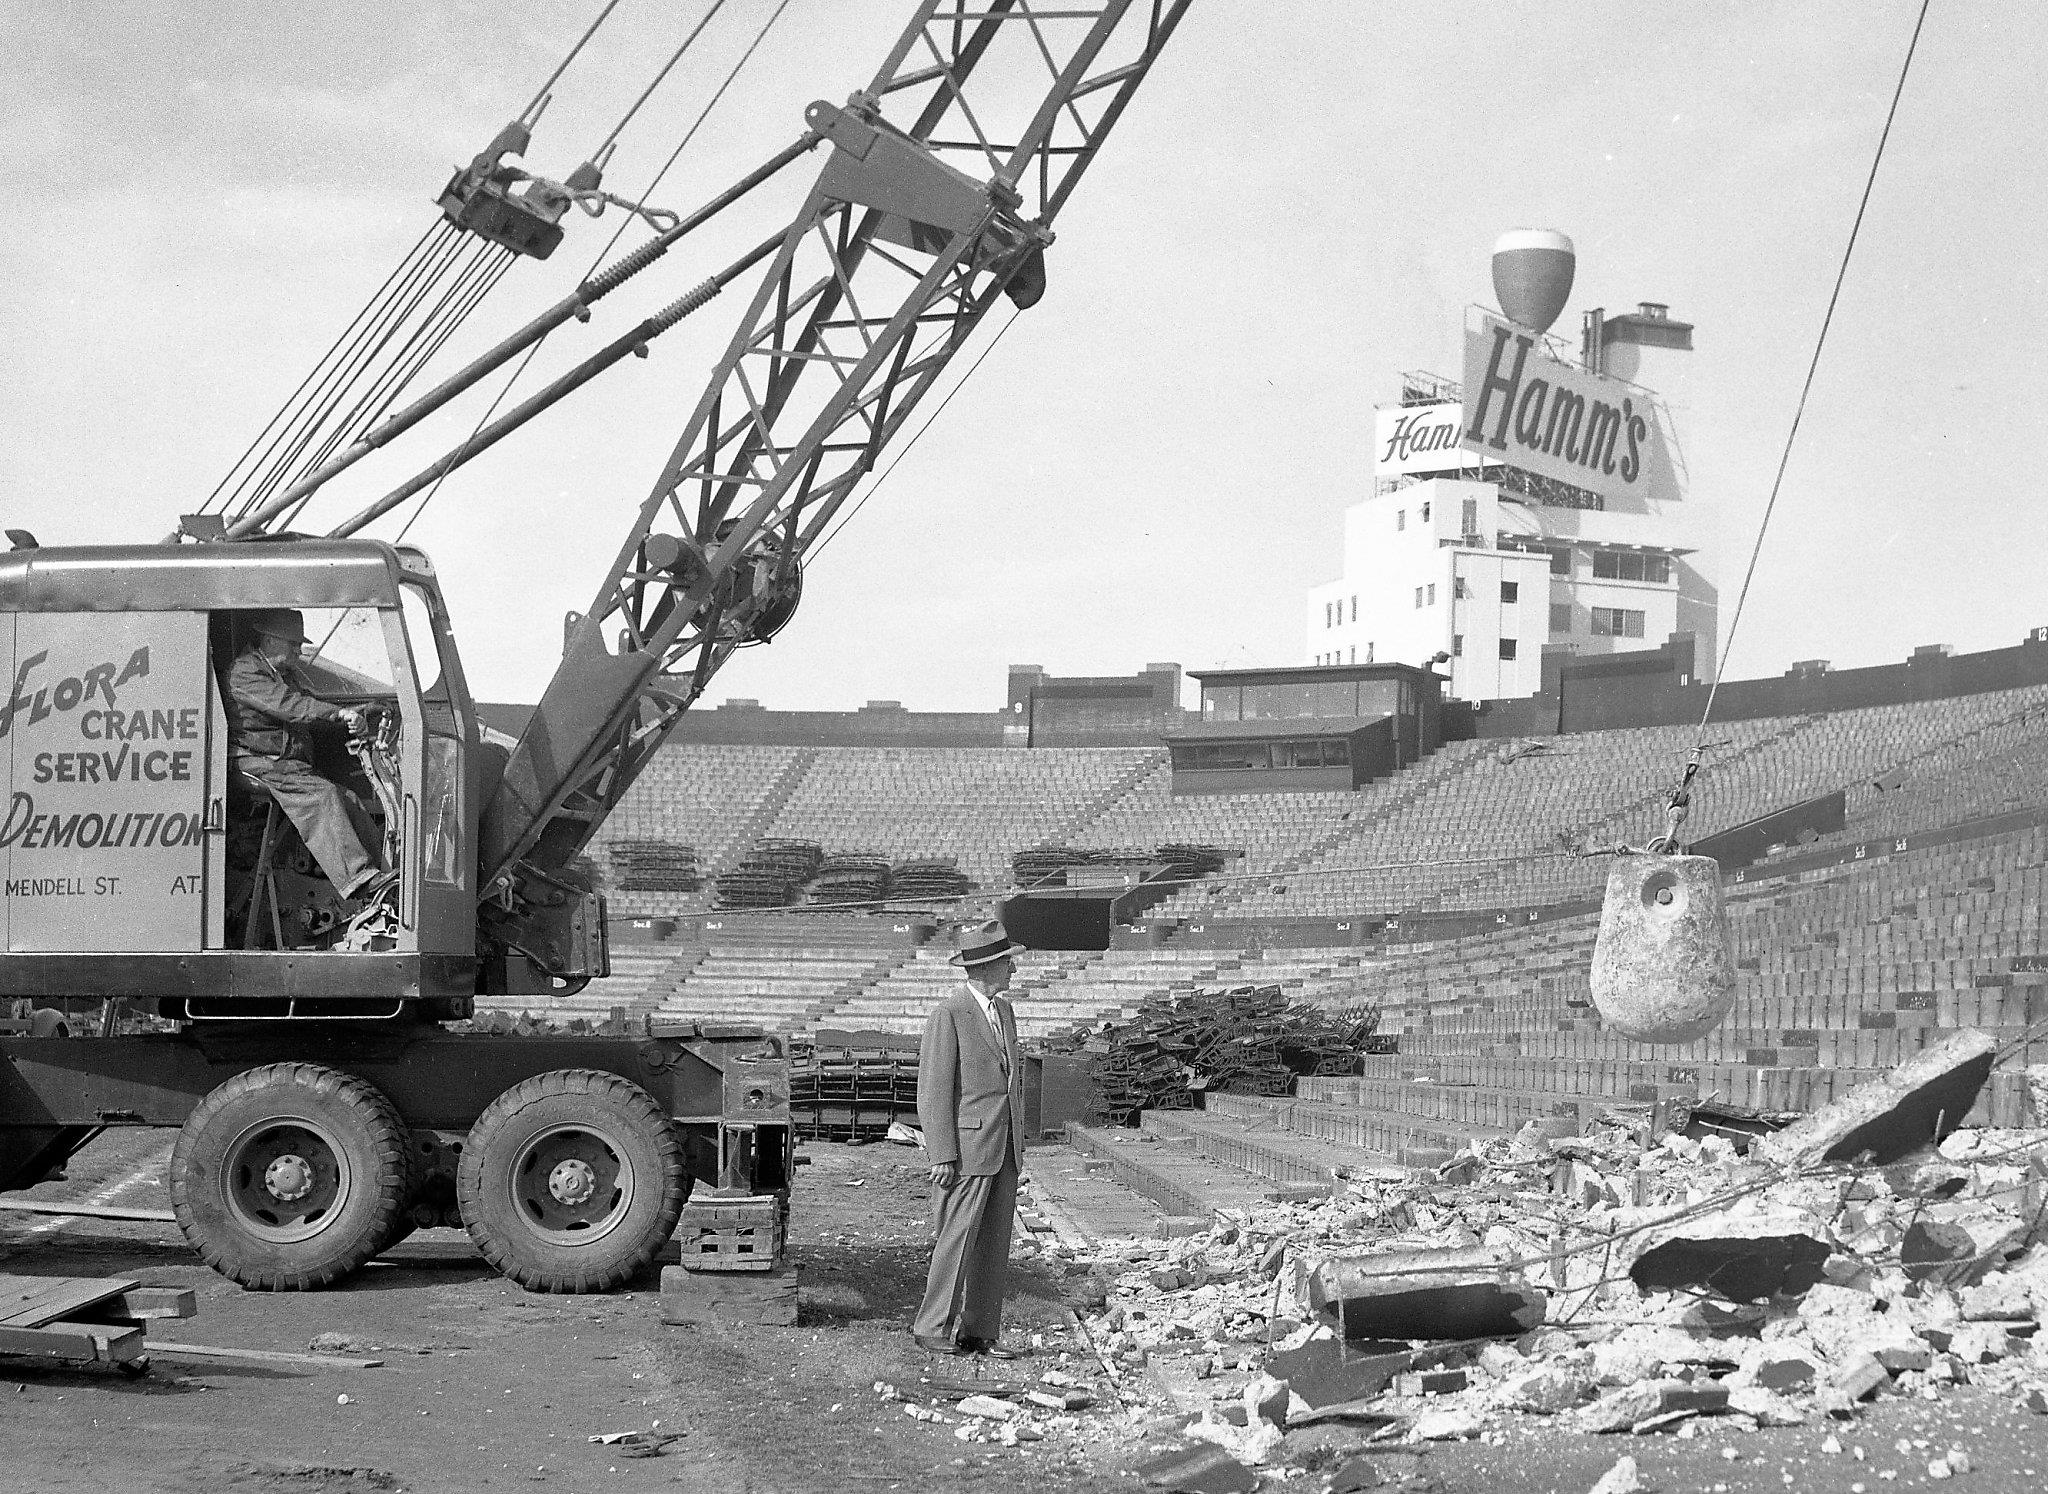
(1421, 438)
(1527, 409)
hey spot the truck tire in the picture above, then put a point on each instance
(571, 1181)
(288, 1177)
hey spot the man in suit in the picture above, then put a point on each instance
(970, 1100)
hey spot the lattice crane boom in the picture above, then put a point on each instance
(908, 237)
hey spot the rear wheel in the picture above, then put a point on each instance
(290, 1176)
(571, 1181)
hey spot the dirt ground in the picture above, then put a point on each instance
(484, 1386)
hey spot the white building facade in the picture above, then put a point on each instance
(1491, 567)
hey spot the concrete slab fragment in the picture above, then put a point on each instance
(1913, 1106)
(1743, 1257)
(1425, 1294)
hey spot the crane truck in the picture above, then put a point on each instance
(311, 1053)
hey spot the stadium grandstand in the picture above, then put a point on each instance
(1902, 900)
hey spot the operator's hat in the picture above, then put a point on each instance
(978, 943)
(277, 622)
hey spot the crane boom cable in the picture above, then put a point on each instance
(479, 287)
(440, 226)
(1813, 366)
(380, 388)
(610, 244)
(563, 66)
(339, 372)
(648, 92)
(369, 337)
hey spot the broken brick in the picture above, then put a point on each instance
(1430, 1382)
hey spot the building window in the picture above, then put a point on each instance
(1418, 596)
(1425, 513)
(1400, 519)
(1560, 562)
(1458, 592)
(1354, 653)
(1507, 648)
(1627, 565)
(1457, 645)
(1560, 617)
(1354, 609)
(1510, 591)
(1470, 518)
(1432, 593)
(1617, 622)
(1326, 614)
(1368, 651)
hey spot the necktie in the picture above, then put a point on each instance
(995, 1022)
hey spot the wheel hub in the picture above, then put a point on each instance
(572, 1182)
(288, 1178)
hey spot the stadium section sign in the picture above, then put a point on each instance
(1524, 407)
(1421, 438)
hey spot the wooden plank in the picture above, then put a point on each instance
(205, 1352)
(146, 1303)
(83, 1211)
(45, 1299)
(78, 1342)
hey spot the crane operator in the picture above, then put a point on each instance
(269, 712)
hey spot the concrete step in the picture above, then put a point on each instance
(1089, 1198)
(1172, 1174)
(1258, 1143)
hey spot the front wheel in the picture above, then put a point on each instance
(290, 1176)
(571, 1181)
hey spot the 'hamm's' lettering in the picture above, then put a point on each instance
(1418, 434)
(1550, 419)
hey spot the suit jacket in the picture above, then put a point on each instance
(971, 1113)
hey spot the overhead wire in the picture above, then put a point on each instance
(563, 66)
(1813, 365)
(648, 92)
(907, 447)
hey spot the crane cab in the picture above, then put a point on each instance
(139, 861)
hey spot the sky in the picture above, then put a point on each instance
(1153, 463)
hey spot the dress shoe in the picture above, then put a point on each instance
(989, 1347)
(937, 1345)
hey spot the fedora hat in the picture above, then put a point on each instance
(278, 622)
(978, 943)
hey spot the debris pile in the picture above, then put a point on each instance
(1614, 1283)
(1247, 1039)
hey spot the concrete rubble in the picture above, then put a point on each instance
(1610, 1283)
